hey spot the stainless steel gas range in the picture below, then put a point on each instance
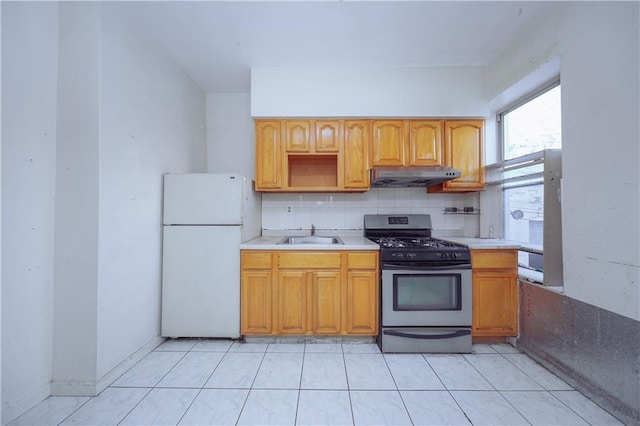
(425, 289)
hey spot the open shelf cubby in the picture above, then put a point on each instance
(306, 171)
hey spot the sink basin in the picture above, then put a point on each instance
(311, 239)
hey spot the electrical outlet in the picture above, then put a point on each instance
(289, 209)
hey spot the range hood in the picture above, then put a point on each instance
(403, 177)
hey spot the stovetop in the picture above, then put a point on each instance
(407, 238)
(415, 243)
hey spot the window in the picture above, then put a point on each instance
(533, 124)
(530, 134)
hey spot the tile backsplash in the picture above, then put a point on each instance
(345, 211)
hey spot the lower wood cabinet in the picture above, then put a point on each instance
(256, 292)
(326, 302)
(495, 292)
(362, 294)
(309, 292)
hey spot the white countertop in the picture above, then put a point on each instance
(353, 240)
(270, 241)
(483, 243)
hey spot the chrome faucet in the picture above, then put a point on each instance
(313, 229)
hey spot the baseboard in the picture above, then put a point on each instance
(125, 365)
(73, 388)
(93, 388)
(76, 388)
(13, 411)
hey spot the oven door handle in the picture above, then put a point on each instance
(396, 333)
(418, 267)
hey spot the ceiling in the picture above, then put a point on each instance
(217, 43)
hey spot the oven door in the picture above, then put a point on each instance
(425, 296)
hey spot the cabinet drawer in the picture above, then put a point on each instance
(362, 260)
(295, 259)
(494, 259)
(256, 259)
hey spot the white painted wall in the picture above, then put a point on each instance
(230, 134)
(369, 92)
(76, 212)
(598, 48)
(1, 422)
(152, 121)
(345, 211)
(92, 117)
(29, 79)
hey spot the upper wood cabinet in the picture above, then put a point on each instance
(463, 150)
(357, 138)
(308, 155)
(407, 143)
(389, 142)
(312, 136)
(328, 135)
(425, 142)
(298, 137)
(336, 155)
(269, 154)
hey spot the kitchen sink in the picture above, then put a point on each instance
(311, 239)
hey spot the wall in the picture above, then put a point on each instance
(76, 205)
(1, 422)
(230, 134)
(29, 72)
(369, 92)
(345, 211)
(595, 350)
(600, 107)
(152, 121)
(588, 329)
(92, 117)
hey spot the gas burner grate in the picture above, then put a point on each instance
(412, 242)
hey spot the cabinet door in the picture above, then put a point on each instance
(463, 151)
(357, 138)
(255, 305)
(292, 302)
(495, 304)
(327, 135)
(298, 136)
(389, 142)
(362, 302)
(268, 155)
(326, 303)
(425, 142)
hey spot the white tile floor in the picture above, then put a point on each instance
(213, 382)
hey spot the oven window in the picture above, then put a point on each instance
(432, 292)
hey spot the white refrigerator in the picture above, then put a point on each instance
(205, 218)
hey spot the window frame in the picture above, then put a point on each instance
(553, 274)
(528, 97)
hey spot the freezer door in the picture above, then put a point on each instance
(203, 199)
(201, 281)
